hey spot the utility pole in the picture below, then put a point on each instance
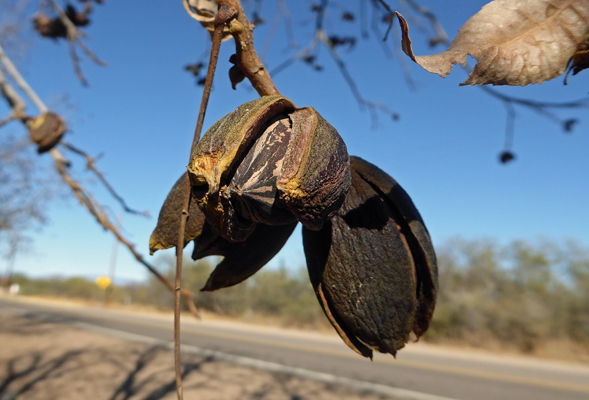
(10, 264)
(113, 264)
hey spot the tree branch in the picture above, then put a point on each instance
(441, 35)
(17, 77)
(61, 164)
(227, 12)
(246, 57)
(73, 37)
(91, 166)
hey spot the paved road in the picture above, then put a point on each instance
(418, 368)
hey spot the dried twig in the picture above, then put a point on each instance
(441, 35)
(7, 119)
(14, 98)
(322, 38)
(74, 36)
(391, 17)
(300, 55)
(281, 12)
(226, 14)
(231, 14)
(246, 57)
(372, 106)
(375, 26)
(61, 163)
(91, 166)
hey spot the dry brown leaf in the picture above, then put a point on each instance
(580, 59)
(515, 42)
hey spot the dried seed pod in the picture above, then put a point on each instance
(165, 234)
(372, 266)
(236, 76)
(242, 259)
(315, 174)
(267, 165)
(46, 130)
(218, 155)
(268, 162)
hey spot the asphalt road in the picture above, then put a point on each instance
(419, 368)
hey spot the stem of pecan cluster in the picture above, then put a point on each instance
(226, 13)
(246, 56)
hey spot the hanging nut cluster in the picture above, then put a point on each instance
(46, 130)
(268, 165)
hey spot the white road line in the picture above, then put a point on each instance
(376, 388)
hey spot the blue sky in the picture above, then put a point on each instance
(140, 111)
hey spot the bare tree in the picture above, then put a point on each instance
(46, 131)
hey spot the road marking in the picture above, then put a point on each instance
(568, 386)
(397, 393)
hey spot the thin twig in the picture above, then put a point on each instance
(272, 31)
(227, 12)
(374, 25)
(300, 55)
(246, 57)
(583, 103)
(76, 62)
(398, 51)
(288, 25)
(61, 164)
(8, 119)
(91, 166)
(281, 11)
(441, 35)
(90, 54)
(391, 14)
(230, 13)
(74, 36)
(372, 106)
(17, 77)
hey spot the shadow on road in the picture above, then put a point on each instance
(44, 357)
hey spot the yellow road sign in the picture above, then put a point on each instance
(103, 282)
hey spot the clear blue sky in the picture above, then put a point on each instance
(141, 111)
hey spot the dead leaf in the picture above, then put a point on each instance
(515, 42)
(579, 61)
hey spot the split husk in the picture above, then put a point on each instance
(372, 266)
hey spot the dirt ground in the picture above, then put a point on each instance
(47, 359)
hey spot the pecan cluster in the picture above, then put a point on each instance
(269, 165)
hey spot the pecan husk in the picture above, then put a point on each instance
(46, 130)
(272, 163)
(265, 167)
(373, 266)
